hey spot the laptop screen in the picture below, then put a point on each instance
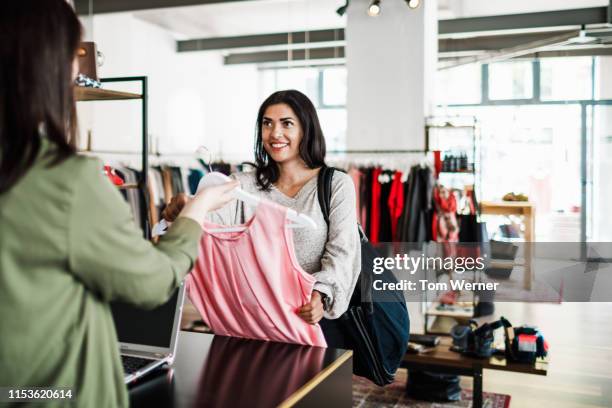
(146, 327)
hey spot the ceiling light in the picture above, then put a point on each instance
(342, 10)
(374, 9)
(413, 3)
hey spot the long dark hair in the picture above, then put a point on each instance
(312, 146)
(38, 42)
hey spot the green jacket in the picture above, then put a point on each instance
(68, 246)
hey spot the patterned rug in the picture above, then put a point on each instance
(368, 395)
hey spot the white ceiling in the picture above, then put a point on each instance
(246, 17)
(272, 16)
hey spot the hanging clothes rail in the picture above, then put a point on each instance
(397, 151)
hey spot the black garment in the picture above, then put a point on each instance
(367, 199)
(177, 181)
(221, 167)
(415, 222)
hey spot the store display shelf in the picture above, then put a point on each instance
(98, 94)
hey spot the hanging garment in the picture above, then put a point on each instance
(151, 191)
(366, 199)
(356, 176)
(132, 195)
(194, 179)
(375, 208)
(385, 229)
(415, 224)
(250, 284)
(396, 202)
(160, 198)
(445, 226)
(167, 182)
(177, 181)
(113, 176)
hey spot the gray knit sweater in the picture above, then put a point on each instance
(334, 256)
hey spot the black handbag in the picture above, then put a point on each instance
(377, 332)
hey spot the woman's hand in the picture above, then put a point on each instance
(312, 311)
(209, 199)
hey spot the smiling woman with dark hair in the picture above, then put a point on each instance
(311, 146)
(289, 152)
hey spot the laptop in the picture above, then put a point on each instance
(148, 338)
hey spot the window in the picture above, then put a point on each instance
(459, 85)
(511, 80)
(535, 150)
(326, 88)
(565, 78)
(305, 80)
(334, 86)
(603, 78)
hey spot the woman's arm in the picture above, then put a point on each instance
(341, 261)
(107, 252)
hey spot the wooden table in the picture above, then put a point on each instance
(442, 360)
(525, 209)
(219, 371)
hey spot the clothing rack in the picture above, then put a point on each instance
(135, 153)
(377, 151)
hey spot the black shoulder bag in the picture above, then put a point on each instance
(378, 332)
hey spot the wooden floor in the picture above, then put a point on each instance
(580, 369)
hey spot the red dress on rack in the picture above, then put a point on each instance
(375, 209)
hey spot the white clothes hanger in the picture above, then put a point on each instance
(216, 178)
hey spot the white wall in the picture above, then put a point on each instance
(391, 63)
(193, 98)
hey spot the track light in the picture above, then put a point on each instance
(341, 10)
(413, 3)
(374, 9)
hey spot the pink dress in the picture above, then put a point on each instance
(249, 283)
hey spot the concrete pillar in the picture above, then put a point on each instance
(391, 64)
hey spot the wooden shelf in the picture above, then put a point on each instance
(527, 210)
(82, 93)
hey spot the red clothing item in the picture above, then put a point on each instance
(113, 176)
(445, 226)
(375, 208)
(437, 163)
(396, 202)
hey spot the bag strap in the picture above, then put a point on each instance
(324, 190)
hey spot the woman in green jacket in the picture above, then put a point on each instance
(68, 243)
